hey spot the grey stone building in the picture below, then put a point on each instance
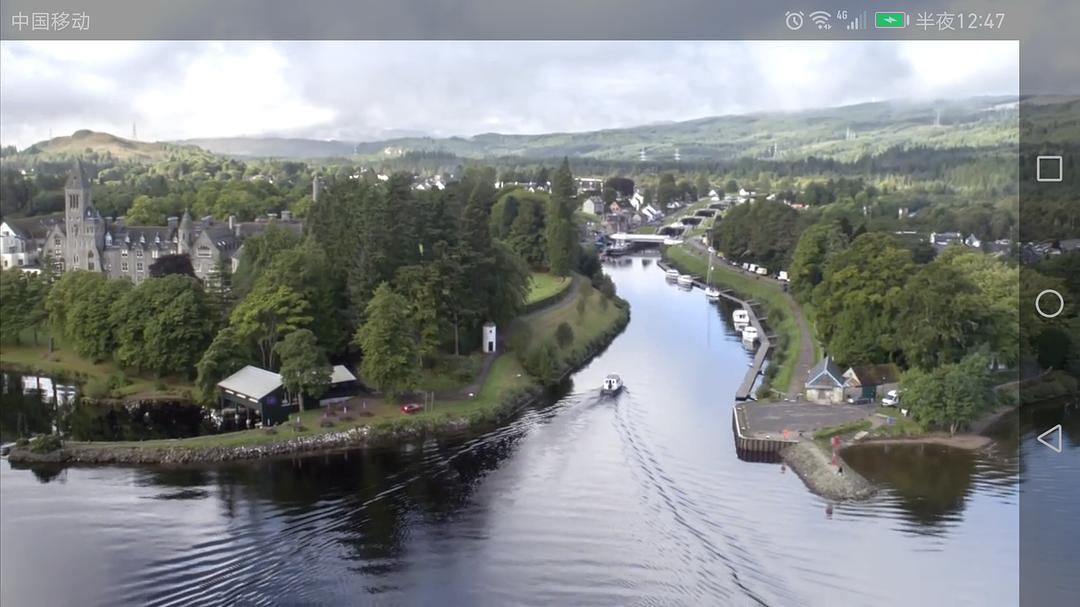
(85, 240)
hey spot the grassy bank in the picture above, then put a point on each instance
(64, 362)
(545, 286)
(595, 321)
(777, 306)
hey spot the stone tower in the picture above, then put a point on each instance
(185, 234)
(84, 228)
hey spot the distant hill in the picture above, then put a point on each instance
(843, 133)
(84, 142)
(272, 147)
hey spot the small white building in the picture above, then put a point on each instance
(490, 338)
(17, 247)
(593, 205)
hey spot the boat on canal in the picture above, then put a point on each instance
(750, 334)
(712, 293)
(612, 384)
(740, 317)
(671, 274)
(685, 280)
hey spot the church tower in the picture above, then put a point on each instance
(83, 226)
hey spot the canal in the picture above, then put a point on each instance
(581, 500)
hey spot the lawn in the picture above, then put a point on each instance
(786, 353)
(545, 285)
(64, 362)
(594, 319)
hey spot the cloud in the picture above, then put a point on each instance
(371, 89)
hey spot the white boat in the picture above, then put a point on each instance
(750, 334)
(612, 384)
(672, 274)
(740, 317)
(712, 293)
(686, 280)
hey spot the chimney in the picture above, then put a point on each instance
(173, 221)
(286, 215)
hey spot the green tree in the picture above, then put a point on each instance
(564, 335)
(561, 232)
(666, 190)
(941, 316)
(389, 362)
(266, 314)
(857, 300)
(227, 354)
(952, 395)
(162, 325)
(526, 234)
(542, 362)
(79, 307)
(304, 368)
(702, 185)
(812, 252)
(15, 304)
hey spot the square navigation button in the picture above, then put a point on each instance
(1048, 168)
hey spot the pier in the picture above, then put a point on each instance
(746, 388)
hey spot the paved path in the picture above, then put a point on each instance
(806, 358)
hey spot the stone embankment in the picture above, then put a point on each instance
(815, 468)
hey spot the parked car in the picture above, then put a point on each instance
(782, 276)
(762, 270)
(411, 408)
(859, 400)
(892, 398)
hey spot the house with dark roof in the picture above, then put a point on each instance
(257, 394)
(87, 241)
(825, 383)
(868, 381)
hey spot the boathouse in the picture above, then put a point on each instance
(252, 390)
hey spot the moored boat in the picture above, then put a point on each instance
(712, 293)
(612, 384)
(685, 280)
(740, 317)
(671, 274)
(750, 334)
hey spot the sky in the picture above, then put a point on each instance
(363, 90)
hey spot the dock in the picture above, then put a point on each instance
(756, 448)
(746, 388)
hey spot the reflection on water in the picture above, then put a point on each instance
(579, 500)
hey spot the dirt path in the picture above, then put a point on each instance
(806, 339)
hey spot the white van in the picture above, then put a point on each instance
(752, 268)
(892, 398)
(782, 276)
(762, 270)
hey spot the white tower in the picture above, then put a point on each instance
(490, 338)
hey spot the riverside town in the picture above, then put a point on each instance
(527, 323)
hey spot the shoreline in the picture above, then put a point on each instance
(814, 467)
(391, 431)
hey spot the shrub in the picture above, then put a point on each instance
(326, 422)
(271, 430)
(564, 335)
(160, 386)
(46, 443)
(97, 388)
(580, 307)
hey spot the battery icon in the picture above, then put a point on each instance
(890, 20)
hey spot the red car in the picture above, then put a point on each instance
(411, 408)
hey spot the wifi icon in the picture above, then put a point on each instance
(821, 19)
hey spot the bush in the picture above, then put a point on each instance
(46, 443)
(271, 431)
(117, 380)
(97, 388)
(580, 307)
(564, 335)
(326, 422)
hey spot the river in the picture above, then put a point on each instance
(582, 500)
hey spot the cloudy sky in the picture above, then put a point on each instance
(365, 90)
